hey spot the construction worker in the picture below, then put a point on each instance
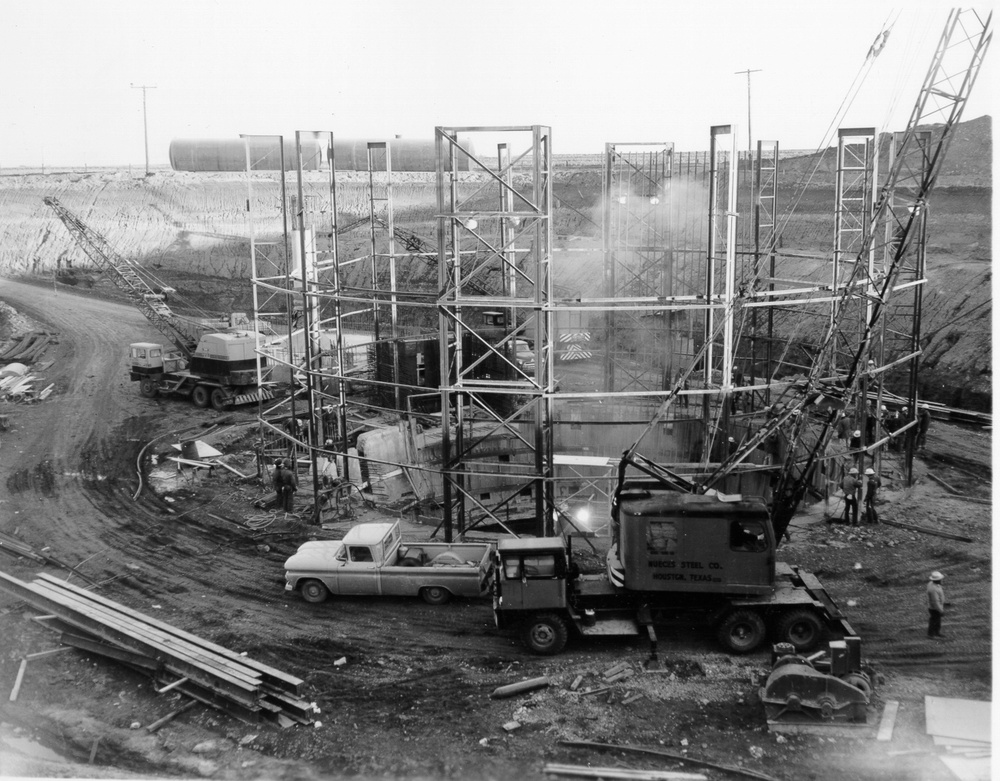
(924, 418)
(872, 483)
(935, 604)
(289, 485)
(850, 486)
(854, 443)
(276, 481)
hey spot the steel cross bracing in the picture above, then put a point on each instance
(495, 245)
(818, 401)
(638, 264)
(127, 277)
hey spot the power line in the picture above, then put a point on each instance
(749, 134)
(145, 130)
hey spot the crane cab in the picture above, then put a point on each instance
(146, 357)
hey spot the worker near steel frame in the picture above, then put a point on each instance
(873, 483)
(289, 485)
(935, 604)
(850, 485)
(277, 482)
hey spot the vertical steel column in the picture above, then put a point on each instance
(765, 200)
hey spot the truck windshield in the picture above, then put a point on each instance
(530, 567)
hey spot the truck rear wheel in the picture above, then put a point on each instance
(219, 400)
(801, 628)
(200, 397)
(148, 388)
(742, 631)
(546, 634)
(435, 595)
(314, 591)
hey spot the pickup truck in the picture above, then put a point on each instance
(373, 559)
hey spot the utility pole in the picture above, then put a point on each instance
(749, 134)
(145, 127)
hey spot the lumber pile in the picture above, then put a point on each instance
(176, 660)
(27, 348)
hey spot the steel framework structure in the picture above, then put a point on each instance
(494, 270)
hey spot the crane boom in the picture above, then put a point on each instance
(126, 277)
(945, 91)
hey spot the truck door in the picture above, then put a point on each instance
(533, 581)
(357, 573)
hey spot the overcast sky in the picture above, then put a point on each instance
(595, 71)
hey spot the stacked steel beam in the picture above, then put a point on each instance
(177, 660)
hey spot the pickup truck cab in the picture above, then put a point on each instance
(372, 559)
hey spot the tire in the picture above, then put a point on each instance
(741, 631)
(201, 397)
(801, 628)
(147, 388)
(546, 634)
(313, 590)
(435, 595)
(220, 401)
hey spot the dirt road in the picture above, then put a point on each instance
(412, 698)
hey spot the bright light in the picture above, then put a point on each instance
(622, 199)
(654, 200)
(583, 516)
(472, 223)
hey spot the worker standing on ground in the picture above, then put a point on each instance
(935, 604)
(850, 486)
(276, 481)
(289, 485)
(873, 483)
(924, 418)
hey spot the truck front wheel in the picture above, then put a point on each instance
(200, 396)
(435, 595)
(546, 634)
(801, 628)
(314, 591)
(147, 388)
(742, 631)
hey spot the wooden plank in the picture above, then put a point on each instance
(112, 652)
(583, 771)
(18, 679)
(171, 716)
(926, 530)
(128, 638)
(885, 727)
(49, 652)
(161, 642)
(271, 675)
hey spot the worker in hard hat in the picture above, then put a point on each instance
(924, 418)
(277, 482)
(850, 485)
(872, 483)
(935, 604)
(289, 485)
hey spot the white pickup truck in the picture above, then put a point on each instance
(373, 559)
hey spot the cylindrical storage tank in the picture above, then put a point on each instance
(407, 154)
(229, 154)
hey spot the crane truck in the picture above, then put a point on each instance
(675, 558)
(221, 369)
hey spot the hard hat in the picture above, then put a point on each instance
(852, 471)
(278, 462)
(869, 471)
(287, 463)
(857, 432)
(883, 407)
(937, 576)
